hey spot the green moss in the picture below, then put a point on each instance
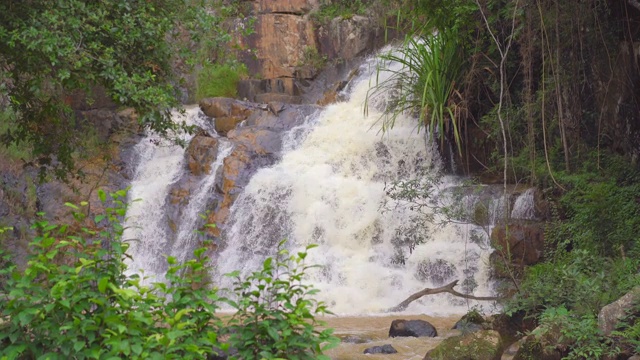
(474, 346)
(216, 80)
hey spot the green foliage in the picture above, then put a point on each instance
(219, 80)
(600, 212)
(344, 9)
(74, 300)
(580, 281)
(13, 151)
(627, 334)
(578, 332)
(276, 313)
(431, 63)
(53, 50)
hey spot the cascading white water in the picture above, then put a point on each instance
(160, 163)
(524, 207)
(328, 189)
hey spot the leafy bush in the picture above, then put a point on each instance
(219, 80)
(579, 281)
(276, 314)
(74, 300)
(579, 333)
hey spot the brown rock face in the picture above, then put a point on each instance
(298, 7)
(202, 151)
(523, 242)
(280, 44)
(228, 113)
(349, 38)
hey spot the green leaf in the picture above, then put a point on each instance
(102, 196)
(102, 284)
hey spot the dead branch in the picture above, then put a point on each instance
(444, 289)
(634, 3)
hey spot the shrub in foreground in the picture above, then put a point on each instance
(74, 301)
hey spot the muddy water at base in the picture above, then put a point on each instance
(374, 331)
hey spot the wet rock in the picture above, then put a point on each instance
(276, 107)
(200, 154)
(218, 107)
(415, 328)
(256, 145)
(470, 322)
(349, 38)
(225, 124)
(354, 339)
(257, 140)
(523, 241)
(611, 314)
(277, 97)
(480, 345)
(384, 349)
(227, 113)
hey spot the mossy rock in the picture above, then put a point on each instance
(480, 345)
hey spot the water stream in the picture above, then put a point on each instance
(160, 163)
(329, 188)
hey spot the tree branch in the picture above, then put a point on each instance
(634, 3)
(444, 289)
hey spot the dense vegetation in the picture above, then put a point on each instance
(130, 53)
(74, 299)
(539, 97)
(540, 92)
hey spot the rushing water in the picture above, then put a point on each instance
(160, 163)
(329, 189)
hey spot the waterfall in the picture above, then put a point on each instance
(329, 188)
(160, 163)
(524, 207)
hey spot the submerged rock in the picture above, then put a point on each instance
(415, 328)
(384, 349)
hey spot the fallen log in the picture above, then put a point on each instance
(444, 289)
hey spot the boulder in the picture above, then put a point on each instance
(480, 345)
(523, 241)
(611, 314)
(260, 141)
(510, 327)
(470, 322)
(200, 154)
(415, 328)
(219, 107)
(384, 349)
(542, 344)
(225, 124)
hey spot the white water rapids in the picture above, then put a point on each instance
(328, 189)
